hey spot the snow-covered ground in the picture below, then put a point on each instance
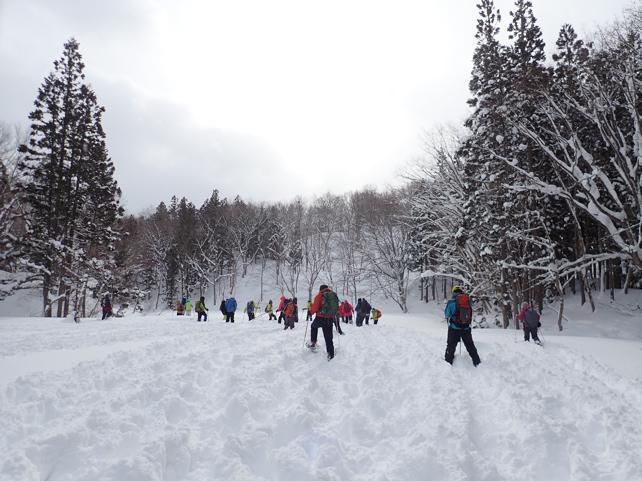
(161, 397)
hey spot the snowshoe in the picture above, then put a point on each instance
(311, 346)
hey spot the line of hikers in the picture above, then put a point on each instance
(287, 308)
(330, 313)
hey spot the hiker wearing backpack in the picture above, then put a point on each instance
(359, 313)
(249, 308)
(376, 315)
(201, 310)
(365, 309)
(459, 315)
(291, 314)
(325, 308)
(230, 309)
(270, 311)
(530, 322)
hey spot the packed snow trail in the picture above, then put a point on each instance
(161, 398)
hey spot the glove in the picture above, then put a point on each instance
(539, 324)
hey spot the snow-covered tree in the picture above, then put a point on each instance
(66, 180)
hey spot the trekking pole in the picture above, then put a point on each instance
(305, 334)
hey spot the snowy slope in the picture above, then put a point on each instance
(160, 397)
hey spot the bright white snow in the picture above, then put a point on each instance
(161, 397)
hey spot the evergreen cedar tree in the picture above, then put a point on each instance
(67, 180)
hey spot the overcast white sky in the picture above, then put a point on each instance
(266, 99)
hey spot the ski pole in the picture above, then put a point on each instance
(305, 334)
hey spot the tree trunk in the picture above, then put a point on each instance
(262, 272)
(627, 279)
(46, 307)
(582, 287)
(84, 301)
(61, 289)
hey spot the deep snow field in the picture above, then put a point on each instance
(162, 397)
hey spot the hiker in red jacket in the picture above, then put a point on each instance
(326, 307)
(349, 311)
(280, 309)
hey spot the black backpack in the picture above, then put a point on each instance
(531, 317)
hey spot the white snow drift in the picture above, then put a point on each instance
(166, 398)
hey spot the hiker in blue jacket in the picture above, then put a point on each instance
(230, 308)
(459, 315)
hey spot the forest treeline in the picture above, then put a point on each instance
(538, 194)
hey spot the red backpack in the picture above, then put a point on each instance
(290, 309)
(463, 311)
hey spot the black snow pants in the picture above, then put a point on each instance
(530, 331)
(230, 317)
(337, 324)
(465, 336)
(326, 325)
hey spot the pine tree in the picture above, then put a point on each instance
(68, 184)
(485, 220)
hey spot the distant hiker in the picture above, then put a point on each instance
(325, 306)
(341, 313)
(269, 309)
(105, 303)
(365, 307)
(459, 315)
(376, 315)
(280, 309)
(201, 309)
(359, 313)
(188, 307)
(308, 316)
(291, 313)
(230, 309)
(363, 312)
(222, 309)
(249, 308)
(184, 301)
(180, 308)
(348, 311)
(530, 322)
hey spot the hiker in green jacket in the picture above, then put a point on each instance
(200, 309)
